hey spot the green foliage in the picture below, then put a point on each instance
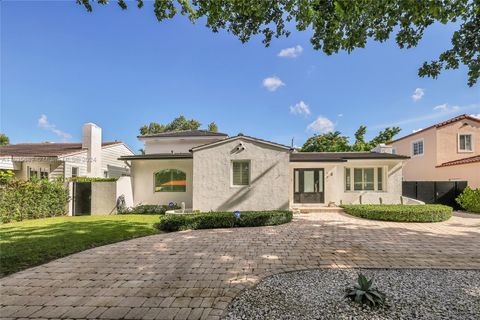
(469, 200)
(363, 293)
(4, 140)
(178, 124)
(400, 213)
(6, 176)
(22, 200)
(149, 209)
(29, 243)
(211, 220)
(328, 142)
(335, 142)
(212, 127)
(339, 25)
(92, 179)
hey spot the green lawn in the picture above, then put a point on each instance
(33, 242)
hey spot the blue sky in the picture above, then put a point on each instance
(62, 67)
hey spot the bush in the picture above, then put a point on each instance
(469, 199)
(401, 213)
(211, 220)
(149, 209)
(91, 179)
(22, 200)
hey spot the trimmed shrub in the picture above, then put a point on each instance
(22, 200)
(469, 200)
(212, 220)
(400, 213)
(91, 179)
(148, 209)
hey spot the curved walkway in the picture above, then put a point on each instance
(195, 274)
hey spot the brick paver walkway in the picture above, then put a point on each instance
(195, 274)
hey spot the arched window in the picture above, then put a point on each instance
(170, 180)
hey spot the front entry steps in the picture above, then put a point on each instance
(300, 210)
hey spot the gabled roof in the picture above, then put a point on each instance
(158, 156)
(241, 136)
(184, 133)
(46, 149)
(438, 125)
(341, 156)
(460, 161)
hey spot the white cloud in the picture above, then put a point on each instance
(419, 129)
(321, 125)
(292, 52)
(446, 108)
(340, 115)
(418, 94)
(476, 115)
(300, 108)
(44, 124)
(272, 83)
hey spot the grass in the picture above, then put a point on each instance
(29, 243)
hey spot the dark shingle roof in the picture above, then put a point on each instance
(158, 156)
(340, 156)
(185, 133)
(45, 149)
(460, 161)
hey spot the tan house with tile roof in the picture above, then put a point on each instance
(446, 151)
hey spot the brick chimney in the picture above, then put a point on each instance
(92, 141)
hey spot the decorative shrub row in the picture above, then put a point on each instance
(22, 200)
(469, 200)
(91, 179)
(401, 213)
(147, 209)
(211, 220)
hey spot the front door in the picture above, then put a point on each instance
(309, 186)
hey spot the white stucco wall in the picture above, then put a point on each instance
(335, 182)
(124, 187)
(143, 182)
(104, 200)
(269, 180)
(176, 144)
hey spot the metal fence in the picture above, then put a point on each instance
(441, 192)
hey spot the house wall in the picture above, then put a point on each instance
(335, 182)
(115, 168)
(143, 182)
(53, 167)
(269, 179)
(104, 198)
(440, 146)
(176, 144)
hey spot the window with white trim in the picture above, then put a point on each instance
(365, 179)
(465, 143)
(74, 172)
(417, 148)
(241, 173)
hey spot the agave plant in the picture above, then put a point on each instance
(363, 293)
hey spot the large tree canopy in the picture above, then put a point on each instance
(339, 25)
(335, 142)
(4, 140)
(179, 123)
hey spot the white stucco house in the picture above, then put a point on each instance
(91, 158)
(211, 171)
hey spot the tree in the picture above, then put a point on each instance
(328, 142)
(335, 142)
(178, 124)
(4, 140)
(339, 25)
(212, 127)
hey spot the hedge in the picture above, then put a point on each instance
(401, 213)
(469, 200)
(148, 209)
(92, 179)
(211, 220)
(22, 200)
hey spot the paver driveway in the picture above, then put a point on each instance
(195, 274)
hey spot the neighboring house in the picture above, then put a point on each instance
(446, 151)
(211, 171)
(91, 157)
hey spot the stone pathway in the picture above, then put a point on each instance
(195, 274)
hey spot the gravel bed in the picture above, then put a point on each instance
(318, 294)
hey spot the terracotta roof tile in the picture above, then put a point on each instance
(460, 161)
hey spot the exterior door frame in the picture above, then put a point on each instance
(302, 197)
